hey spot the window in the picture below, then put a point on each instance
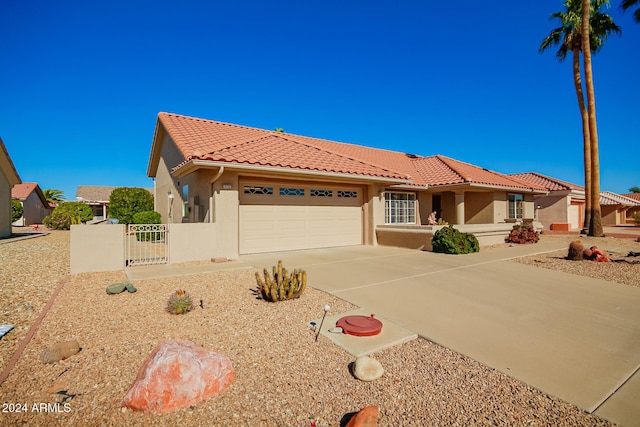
(321, 193)
(288, 191)
(257, 189)
(399, 208)
(185, 202)
(347, 194)
(516, 203)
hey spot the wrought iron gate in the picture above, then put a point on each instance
(146, 244)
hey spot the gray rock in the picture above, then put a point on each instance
(367, 369)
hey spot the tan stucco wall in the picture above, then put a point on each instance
(425, 207)
(34, 210)
(374, 212)
(97, 248)
(478, 207)
(165, 183)
(5, 206)
(195, 242)
(610, 215)
(553, 209)
(448, 204)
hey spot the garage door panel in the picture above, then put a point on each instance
(280, 228)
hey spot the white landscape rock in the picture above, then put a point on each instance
(367, 369)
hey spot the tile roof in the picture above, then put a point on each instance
(199, 139)
(94, 193)
(551, 184)
(634, 196)
(609, 198)
(97, 193)
(22, 191)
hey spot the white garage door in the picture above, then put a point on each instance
(574, 216)
(284, 216)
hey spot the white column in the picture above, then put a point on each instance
(460, 207)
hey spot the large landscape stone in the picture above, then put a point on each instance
(60, 351)
(178, 374)
(367, 369)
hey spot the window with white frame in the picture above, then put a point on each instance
(516, 205)
(399, 208)
(185, 202)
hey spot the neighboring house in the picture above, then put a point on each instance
(97, 197)
(632, 210)
(8, 178)
(615, 208)
(35, 206)
(269, 191)
(563, 208)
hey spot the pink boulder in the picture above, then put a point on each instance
(178, 374)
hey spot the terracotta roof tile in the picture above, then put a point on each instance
(634, 196)
(280, 150)
(22, 191)
(551, 184)
(223, 142)
(609, 198)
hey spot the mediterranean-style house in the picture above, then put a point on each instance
(271, 191)
(8, 178)
(631, 211)
(563, 207)
(35, 206)
(615, 208)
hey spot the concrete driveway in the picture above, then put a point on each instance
(572, 337)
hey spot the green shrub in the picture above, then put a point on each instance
(449, 240)
(67, 213)
(147, 217)
(16, 210)
(125, 202)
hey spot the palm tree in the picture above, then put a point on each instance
(53, 196)
(569, 37)
(628, 4)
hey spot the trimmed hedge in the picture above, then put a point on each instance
(125, 202)
(67, 213)
(16, 210)
(449, 240)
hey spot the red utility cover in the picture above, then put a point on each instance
(362, 326)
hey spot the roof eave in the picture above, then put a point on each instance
(195, 164)
(156, 148)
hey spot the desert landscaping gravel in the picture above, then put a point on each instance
(283, 377)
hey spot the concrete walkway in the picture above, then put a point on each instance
(572, 337)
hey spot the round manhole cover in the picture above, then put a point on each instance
(362, 326)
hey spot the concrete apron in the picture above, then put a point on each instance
(570, 336)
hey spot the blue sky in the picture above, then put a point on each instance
(81, 82)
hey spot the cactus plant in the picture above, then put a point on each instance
(281, 285)
(180, 302)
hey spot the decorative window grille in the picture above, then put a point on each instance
(320, 193)
(289, 191)
(516, 205)
(257, 189)
(399, 208)
(347, 194)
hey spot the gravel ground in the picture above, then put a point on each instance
(283, 377)
(623, 268)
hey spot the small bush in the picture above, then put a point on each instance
(148, 217)
(67, 213)
(523, 234)
(180, 302)
(449, 240)
(125, 202)
(16, 210)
